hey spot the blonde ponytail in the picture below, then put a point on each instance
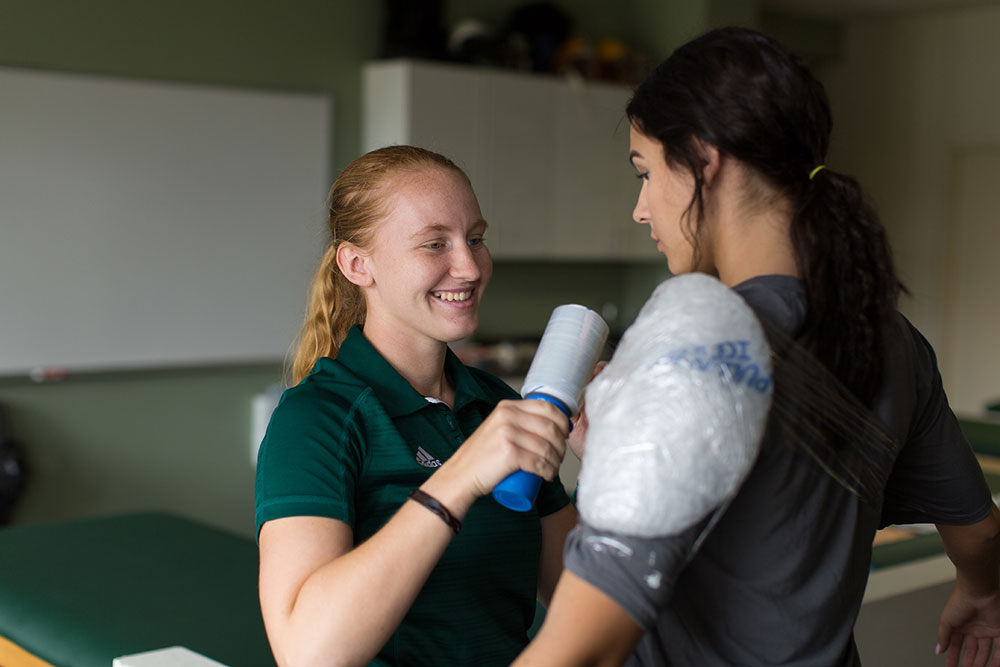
(334, 306)
(357, 201)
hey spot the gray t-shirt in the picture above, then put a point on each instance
(778, 579)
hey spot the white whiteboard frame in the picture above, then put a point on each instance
(148, 224)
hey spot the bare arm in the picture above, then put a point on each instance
(971, 617)
(583, 628)
(326, 603)
(555, 528)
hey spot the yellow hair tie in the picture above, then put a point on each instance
(816, 171)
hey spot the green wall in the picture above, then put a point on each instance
(174, 440)
(180, 439)
(307, 45)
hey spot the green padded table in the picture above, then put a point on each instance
(81, 593)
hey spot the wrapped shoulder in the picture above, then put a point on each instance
(677, 416)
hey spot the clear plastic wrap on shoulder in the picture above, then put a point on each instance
(678, 415)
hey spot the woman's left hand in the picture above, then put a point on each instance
(577, 437)
(972, 624)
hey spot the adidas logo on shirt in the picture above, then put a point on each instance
(426, 460)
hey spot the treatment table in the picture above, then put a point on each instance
(81, 593)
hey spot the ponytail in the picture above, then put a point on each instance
(851, 286)
(335, 305)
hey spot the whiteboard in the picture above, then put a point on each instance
(147, 224)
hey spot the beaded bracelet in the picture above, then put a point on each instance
(434, 506)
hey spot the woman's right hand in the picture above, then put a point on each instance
(518, 435)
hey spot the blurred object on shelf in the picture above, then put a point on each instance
(607, 60)
(503, 358)
(609, 311)
(536, 37)
(473, 41)
(414, 29)
(534, 33)
(614, 63)
(576, 56)
(509, 357)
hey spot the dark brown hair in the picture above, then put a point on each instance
(743, 93)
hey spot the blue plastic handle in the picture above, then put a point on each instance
(518, 490)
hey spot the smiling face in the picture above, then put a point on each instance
(428, 264)
(663, 203)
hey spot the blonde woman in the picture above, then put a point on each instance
(379, 543)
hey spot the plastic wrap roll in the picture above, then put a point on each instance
(567, 354)
(564, 363)
(677, 416)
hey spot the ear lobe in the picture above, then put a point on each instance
(353, 263)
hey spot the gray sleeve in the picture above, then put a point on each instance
(936, 477)
(639, 574)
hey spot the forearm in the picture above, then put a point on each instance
(583, 628)
(555, 528)
(346, 610)
(975, 551)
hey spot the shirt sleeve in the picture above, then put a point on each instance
(936, 477)
(638, 573)
(310, 459)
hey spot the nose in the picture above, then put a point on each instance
(464, 264)
(641, 211)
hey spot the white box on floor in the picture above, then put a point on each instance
(175, 656)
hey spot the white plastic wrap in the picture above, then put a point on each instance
(677, 416)
(567, 354)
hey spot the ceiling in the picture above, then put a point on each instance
(845, 9)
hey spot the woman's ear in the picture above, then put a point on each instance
(353, 263)
(712, 161)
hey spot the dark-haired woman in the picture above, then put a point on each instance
(729, 137)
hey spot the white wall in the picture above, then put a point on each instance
(911, 95)
(150, 224)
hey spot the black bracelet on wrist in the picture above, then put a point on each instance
(434, 506)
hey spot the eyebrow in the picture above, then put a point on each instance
(431, 229)
(632, 156)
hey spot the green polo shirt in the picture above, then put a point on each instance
(351, 441)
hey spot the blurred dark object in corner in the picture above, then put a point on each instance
(414, 29)
(993, 408)
(534, 33)
(13, 470)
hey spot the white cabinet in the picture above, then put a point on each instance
(548, 158)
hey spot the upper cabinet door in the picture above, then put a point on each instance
(594, 184)
(522, 157)
(548, 159)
